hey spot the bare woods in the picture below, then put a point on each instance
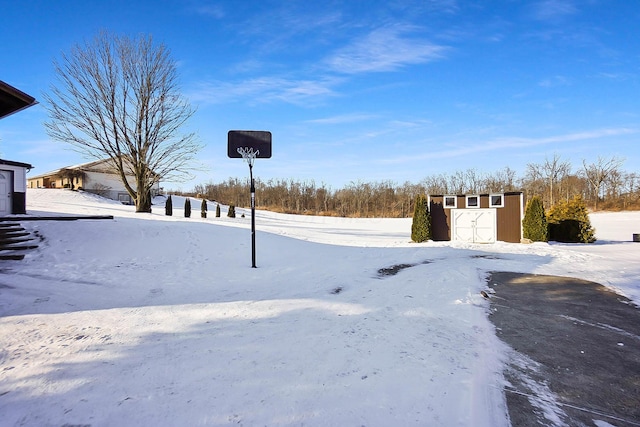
(602, 184)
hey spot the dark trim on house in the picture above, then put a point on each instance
(18, 203)
(18, 164)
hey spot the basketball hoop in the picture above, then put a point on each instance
(248, 154)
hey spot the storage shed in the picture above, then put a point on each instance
(477, 218)
(13, 187)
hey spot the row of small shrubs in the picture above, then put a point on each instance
(168, 209)
(567, 221)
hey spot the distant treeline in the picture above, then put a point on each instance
(602, 184)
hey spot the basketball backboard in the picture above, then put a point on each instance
(256, 141)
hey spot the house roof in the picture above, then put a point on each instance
(13, 100)
(93, 166)
(86, 167)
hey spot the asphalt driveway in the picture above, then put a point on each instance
(575, 356)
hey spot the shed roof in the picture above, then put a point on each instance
(506, 193)
(13, 100)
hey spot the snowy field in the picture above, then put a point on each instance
(149, 320)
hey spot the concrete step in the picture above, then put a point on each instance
(11, 257)
(14, 241)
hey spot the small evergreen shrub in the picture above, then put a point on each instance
(168, 206)
(534, 224)
(421, 226)
(203, 208)
(569, 222)
(217, 210)
(187, 208)
(232, 211)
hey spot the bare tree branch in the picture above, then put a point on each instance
(118, 98)
(599, 172)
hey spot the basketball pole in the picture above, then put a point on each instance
(249, 156)
(253, 217)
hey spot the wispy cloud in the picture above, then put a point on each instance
(410, 124)
(211, 10)
(615, 76)
(306, 21)
(552, 10)
(504, 143)
(554, 81)
(250, 65)
(264, 90)
(447, 6)
(344, 118)
(384, 49)
(290, 28)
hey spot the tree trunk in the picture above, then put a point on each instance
(143, 201)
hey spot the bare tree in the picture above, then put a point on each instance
(457, 183)
(117, 98)
(475, 181)
(508, 178)
(554, 170)
(630, 188)
(597, 173)
(533, 183)
(502, 180)
(435, 184)
(551, 172)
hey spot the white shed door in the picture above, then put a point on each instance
(473, 225)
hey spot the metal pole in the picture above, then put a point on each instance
(253, 218)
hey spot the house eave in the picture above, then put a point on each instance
(13, 100)
(18, 164)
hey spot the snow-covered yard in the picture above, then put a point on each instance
(161, 321)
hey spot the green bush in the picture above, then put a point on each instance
(168, 206)
(534, 224)
(187, 208)
(232, 211)
(203, 208)
(569, 222)
(217, 210)
(421, 226)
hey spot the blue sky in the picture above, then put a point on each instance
(360, 90)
